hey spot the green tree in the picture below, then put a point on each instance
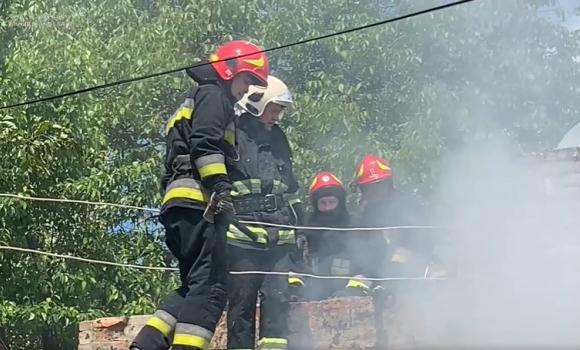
(409, 91)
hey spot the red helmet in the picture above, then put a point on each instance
(323, 180)
(372, 169)
(227, 62)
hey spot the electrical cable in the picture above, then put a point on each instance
(291, 227)
(276, 48)
(157, 268)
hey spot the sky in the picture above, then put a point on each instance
(572, 21)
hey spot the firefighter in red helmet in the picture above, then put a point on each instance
(393, 253)
(197, 207)
(387, 207)
(328, 252)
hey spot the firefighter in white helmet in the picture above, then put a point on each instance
(264, 190)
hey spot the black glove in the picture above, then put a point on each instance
(301, 242)
(224, 203)
(385, 296)
(219, 203)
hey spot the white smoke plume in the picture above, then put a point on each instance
(517, 285)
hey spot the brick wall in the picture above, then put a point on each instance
(346, 323)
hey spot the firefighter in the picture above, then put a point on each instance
(264, 190)
(387, 207)
(197, 206)
(393, 254)
(328, 252)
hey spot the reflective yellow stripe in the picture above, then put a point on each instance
(400, 255)
(230, 134)
(359, 282)
(298, 280)
(398, 258)
(212, 164)
(235, 234)
(230, 137)
(184, 192)
(190, 340)
(247, 186)
(192, 336)
(185, 111)
(278, 187)
(160, 325)
(286, 237)
(356, 284)
(240, 188)
(292, 198)
(272, 343)
(212, 169)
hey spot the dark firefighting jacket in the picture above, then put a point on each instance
(200, 140)
(395, 248)
(264, 188)
(332, 253)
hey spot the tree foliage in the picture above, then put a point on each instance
(409, 91)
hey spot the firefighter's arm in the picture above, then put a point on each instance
(205, 140)
(358, 285)
(417, 241)
(297, 265)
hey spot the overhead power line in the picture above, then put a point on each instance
(175, 70)
(159, 268)
(291, 227)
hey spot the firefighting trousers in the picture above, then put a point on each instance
(187, 317)
(243, 294)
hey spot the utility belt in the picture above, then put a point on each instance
(269, 203)
(250, 203)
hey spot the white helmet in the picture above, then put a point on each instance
(257, 98)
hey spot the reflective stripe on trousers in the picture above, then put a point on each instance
(192, 336)
(272, 344)
(359, 282)
(163, 322)
(186, 188)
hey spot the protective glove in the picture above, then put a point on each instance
(386, 296)
(219, 203)
(301, 242)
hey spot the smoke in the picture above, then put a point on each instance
(516, 284)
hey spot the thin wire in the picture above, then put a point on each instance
(64, 200)
(110, 263)
(175, 70)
